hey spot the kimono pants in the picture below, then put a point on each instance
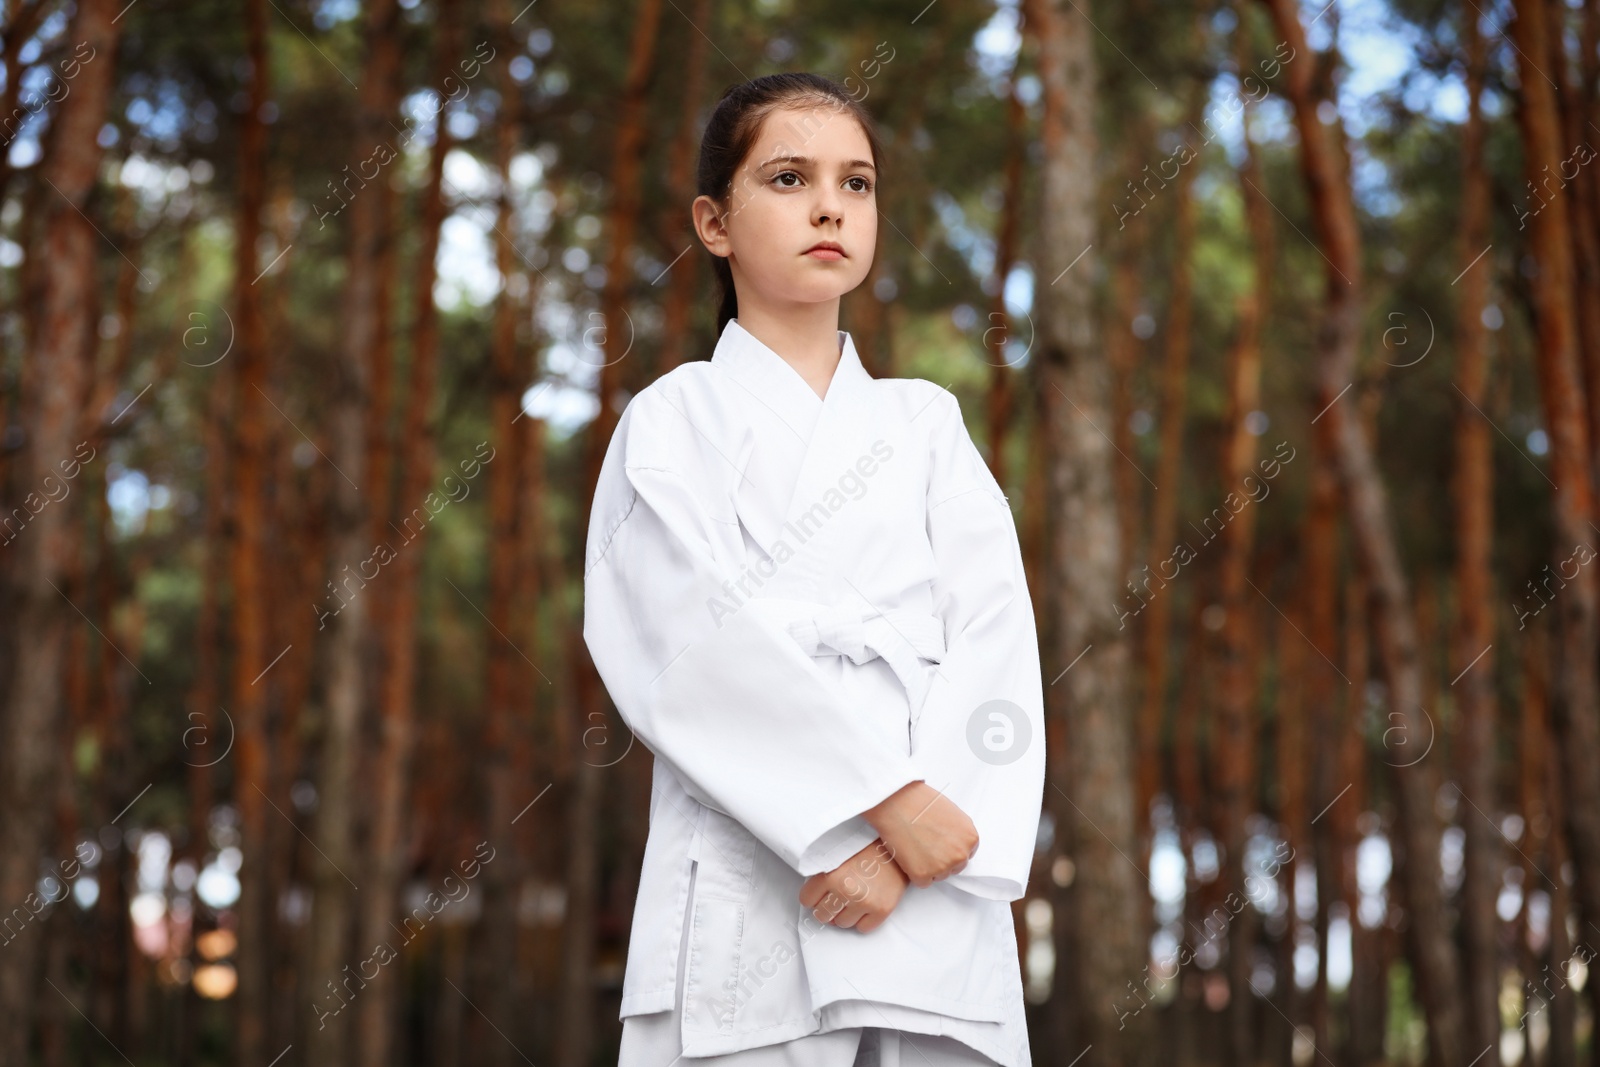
(654, 1040)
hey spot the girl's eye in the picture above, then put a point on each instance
(788, 179)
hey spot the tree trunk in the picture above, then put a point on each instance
(574, 1040)
(297, 536)
(1338, 339)
(627, 163)
(681, 240)
(1474, 522)
(252, 776)
(1542, 849)
(347, 607)
(1320, 564)
(1123, 354)
(1233, 739)
(582, 885)
(1192, 1018)
(505, 700)
(1005, 257)
(1169, 477)
(1576, 715)
(1107, 890)
(1561, 1005)
(1365, 1003)
(1293, 755)
(99, 698)
(1584, 234)
(58, 357)
(389, 847)
(531, 749)
(1235, 726)
(1533, 739)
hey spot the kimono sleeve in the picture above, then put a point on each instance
(980, 735)
(747, 720)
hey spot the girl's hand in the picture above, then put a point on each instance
(926, 833)
(859, 893)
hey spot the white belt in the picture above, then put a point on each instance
(898, 636)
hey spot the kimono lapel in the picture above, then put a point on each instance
(839, 436)
(802, 442)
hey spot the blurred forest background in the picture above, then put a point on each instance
(1279, 323)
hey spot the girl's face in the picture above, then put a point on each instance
(808, 180)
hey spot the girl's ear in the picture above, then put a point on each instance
(710, 224)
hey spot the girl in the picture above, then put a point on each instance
(804, 592)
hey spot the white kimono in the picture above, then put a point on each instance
(799, 605)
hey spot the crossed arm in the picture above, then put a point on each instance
(923, 837)
(685, 679)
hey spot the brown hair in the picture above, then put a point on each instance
(732, 130)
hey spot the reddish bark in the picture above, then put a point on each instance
(1157, 624)
(1293, 753)
(505, 699)
(531, 750)
(248, 567)
(1123, 352)
(1235, 728)
(344, 613)
(1533, 770)
(627, 194)
(582, 876)
(1324, 170)
(1580, 192)
(1123, 355)
(1323, 694)
(1234, 738)
(58, 382)
(1473, 491)
(680, 239)
(1005, 256)
(389, 847)
(1576, 688)
(1544, 849)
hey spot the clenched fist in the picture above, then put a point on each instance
(929, 837)
(859, 893)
